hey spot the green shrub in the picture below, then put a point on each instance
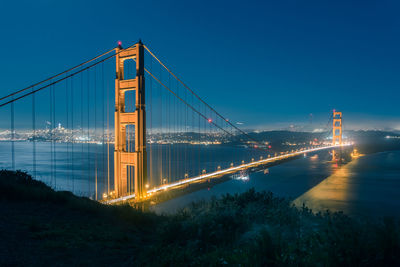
(248, 229)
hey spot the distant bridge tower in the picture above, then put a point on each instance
(123, 159)
(337, 128)
(336, 132)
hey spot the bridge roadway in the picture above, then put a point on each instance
(221, 173)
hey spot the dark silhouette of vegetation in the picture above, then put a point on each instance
(42, 227)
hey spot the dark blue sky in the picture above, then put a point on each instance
(264, 63)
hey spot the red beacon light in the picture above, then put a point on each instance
(119, 43)
(210, 120)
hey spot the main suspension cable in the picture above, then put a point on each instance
(55, 76)
(64, 78)
(192, 107)
(186, 103)
(199, 98)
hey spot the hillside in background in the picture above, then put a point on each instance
(366, 141)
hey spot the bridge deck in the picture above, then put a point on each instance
(220, 173)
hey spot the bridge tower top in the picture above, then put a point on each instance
(337, 128)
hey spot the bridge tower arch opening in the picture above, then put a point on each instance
(130, 165)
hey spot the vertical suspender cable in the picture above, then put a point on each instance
(177, 146)
(34, 135)
(169, 131)
(161, 152)
(52, 129)
(194, 133)
(88, 129)
(177, 149)
(186, 134)
(151, 130)
(102, 125)
(199, 145)
(54, 141)
(72, 134)
(82, 133)
(67, 129)
(12, 137)
(95, 128)
(108, 139)
(50, 125)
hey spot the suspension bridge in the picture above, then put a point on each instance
(122, 126)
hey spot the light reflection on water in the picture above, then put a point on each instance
(290, 179)
(332, 192)
(367, 186)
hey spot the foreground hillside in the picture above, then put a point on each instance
(41, 227)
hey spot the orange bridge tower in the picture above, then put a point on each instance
(336, 131)
(127, 162)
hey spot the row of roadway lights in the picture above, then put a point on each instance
(252, 160)
(243, 162)
(219, 168)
